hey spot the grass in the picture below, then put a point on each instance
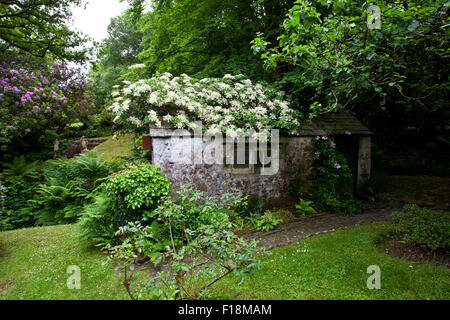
(419, 188)
(334, 266)
(33, 264)
(115, 148)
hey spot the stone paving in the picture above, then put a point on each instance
(328, 222)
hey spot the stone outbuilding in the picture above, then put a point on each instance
(295, 160)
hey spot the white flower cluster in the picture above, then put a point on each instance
(231, 105)
(136, 66)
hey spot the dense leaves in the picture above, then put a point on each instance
(428, 228)
(334, 187)
(35, 97)
(394, 78)
(40, 28)
(232, 105)
(135, 191)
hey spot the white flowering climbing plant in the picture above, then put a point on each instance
(231, 105)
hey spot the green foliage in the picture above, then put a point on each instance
(373, 186)
(60, 202)
(304, 207)
(19, 181)
(41, 28)
(205, 245)
(391, 77)
(52, 193)
(39, 102)
(250, 206)
(97, 224)
(333, 175)
(88, 169)
(137, 190)
(118, 51)
(134, 239)
(426, 227)
(249, 213)
(192, 209)
(208, 38)
(266, 222)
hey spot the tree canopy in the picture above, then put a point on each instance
(40, 28)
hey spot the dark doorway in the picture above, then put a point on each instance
(348, 146)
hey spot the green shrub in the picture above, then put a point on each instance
(69, 186)
(135, 191)
(266, 222)
(304, 207)
(376, 184)
(87, 169)
(60, 202)
(19, 181)
(97, 223)
(333, 175)
(191, 209)
(199, 238)
(249, 206)
(426, 227)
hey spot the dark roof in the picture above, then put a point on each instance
(334, 123)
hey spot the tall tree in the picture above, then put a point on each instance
(117, 52)
(393, 76)
(208, 38)
(39, 28)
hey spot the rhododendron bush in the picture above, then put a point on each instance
(231, 105)
(35, 97)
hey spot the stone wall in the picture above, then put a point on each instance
(295, 161)
(295, 158)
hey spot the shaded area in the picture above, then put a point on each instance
(76, 149)
(423, 190)
(398, 248)
(293, 232)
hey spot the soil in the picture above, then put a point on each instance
(413, 252)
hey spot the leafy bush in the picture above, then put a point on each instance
(135, 191)
(89, 169)
(60, 202)
(19, 182)
(249, 206)
(30, 105)
(97, 223)
(69, 186)
(304, 207)
(143, 187)
(376, 184)
(266, 222)
(426, 227)
(333, 174)
(345, 204)
(201, 241)
(193, 209)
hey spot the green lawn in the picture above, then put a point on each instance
(120, 147)
(334, 266)
(33, 265)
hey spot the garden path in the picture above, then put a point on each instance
(293, 232)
